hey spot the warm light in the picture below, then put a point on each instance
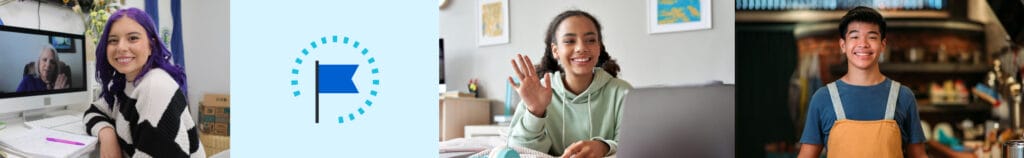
(838, 4)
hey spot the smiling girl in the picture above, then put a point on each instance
(142, 110)
(577, 114)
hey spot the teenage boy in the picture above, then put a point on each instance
(864, 113)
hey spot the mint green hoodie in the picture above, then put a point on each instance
(602, 100)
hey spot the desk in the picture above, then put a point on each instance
(16, 125)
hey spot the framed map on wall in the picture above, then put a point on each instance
(678, 15)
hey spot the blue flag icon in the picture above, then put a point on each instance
(335, 78)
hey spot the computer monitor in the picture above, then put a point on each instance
(41, 69)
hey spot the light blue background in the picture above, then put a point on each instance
(267, 121)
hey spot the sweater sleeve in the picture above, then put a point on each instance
(530, 130)
(165, 127)
(620, 96)
(613, 144)
(97, 117)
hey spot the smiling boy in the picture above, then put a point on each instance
(864, 113)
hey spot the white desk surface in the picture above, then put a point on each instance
(17, 125)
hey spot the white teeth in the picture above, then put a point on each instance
(124, 60)
(581, 59)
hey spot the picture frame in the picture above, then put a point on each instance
(63, 44)
(493, 22)
(666, 16)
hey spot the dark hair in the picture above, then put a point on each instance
(160, 57)
(862, 14)
(549, 64)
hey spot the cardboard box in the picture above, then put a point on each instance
(220, 129)
(215, 111)
(205, 127)
(215, 124)
(223, 129)
(215, 117)
(217, 100)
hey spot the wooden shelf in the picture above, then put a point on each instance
(974, 111)
(926, 107)
(947, 68)
(930, 68)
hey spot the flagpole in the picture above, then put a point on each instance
(317, 91)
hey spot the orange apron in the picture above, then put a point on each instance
(874, 139)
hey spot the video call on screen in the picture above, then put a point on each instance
(36, 62)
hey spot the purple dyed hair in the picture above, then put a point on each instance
(160, 57)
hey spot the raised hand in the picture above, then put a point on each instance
(535, 96)
(62, 82)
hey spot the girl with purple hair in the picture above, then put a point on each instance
(142, 110)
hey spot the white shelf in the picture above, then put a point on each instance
(485, 130)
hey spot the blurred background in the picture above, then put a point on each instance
(960, 58)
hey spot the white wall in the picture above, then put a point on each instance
(48, 16)
(206, 41)
(646, 59)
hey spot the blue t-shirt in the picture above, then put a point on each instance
(862, 103)
(30, 83)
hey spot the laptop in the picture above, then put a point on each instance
(680, 121)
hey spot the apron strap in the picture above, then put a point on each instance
(836, 103)
(890, 105)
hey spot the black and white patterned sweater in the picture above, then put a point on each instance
(151, 119)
